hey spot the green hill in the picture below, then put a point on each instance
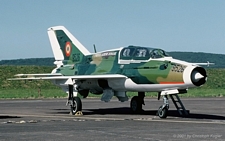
(37, 89)
(195, 57)
(9, 72)
(29, 61)
(27, 89)
(216, 77)
(199, 57)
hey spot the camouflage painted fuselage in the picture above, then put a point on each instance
(145, 69)
(140, 68)
(155, 71)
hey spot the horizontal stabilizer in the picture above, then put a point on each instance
(38, 75)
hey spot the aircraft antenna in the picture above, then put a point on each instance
(94, 48)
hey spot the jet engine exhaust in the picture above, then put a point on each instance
(198, 76)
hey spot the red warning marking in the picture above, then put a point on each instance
(171, 82)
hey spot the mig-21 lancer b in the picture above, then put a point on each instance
(118, 71)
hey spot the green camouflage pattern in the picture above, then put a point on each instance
(155, 71)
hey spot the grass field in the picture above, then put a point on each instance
(58, 93)
(215, 86)
(31, 93)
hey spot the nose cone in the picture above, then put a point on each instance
(198, 76)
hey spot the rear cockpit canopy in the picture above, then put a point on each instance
(141, 53)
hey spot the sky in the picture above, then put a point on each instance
(172, 25)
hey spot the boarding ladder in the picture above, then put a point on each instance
(179, 105)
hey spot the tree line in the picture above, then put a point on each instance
(194, 57)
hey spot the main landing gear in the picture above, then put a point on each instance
(74, 102)
(137, 102)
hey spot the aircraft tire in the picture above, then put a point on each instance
(136, 104)
(77, 105)
(162, 112)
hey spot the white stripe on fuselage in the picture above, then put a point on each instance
(129, 85)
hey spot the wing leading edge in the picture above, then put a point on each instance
(60, 76)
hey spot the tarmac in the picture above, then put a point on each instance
(50, 120)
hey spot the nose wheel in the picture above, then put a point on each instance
(163, 109)
(162, 112)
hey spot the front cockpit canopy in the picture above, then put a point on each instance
(142, 53)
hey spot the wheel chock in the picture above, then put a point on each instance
(79, 113)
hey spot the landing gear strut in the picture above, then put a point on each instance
(75, 102)
(137, 102)
(163, 109)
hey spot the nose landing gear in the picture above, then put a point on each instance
(138, 101)
(163, 109)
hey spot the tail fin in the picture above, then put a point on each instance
(65, 46)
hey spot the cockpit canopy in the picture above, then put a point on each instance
(141, 53)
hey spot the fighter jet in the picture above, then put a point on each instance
(115, 72)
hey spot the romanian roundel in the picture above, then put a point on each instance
(68, 49)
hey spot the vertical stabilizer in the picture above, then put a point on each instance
(65, 46)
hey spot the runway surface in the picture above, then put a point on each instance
(50, 120)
